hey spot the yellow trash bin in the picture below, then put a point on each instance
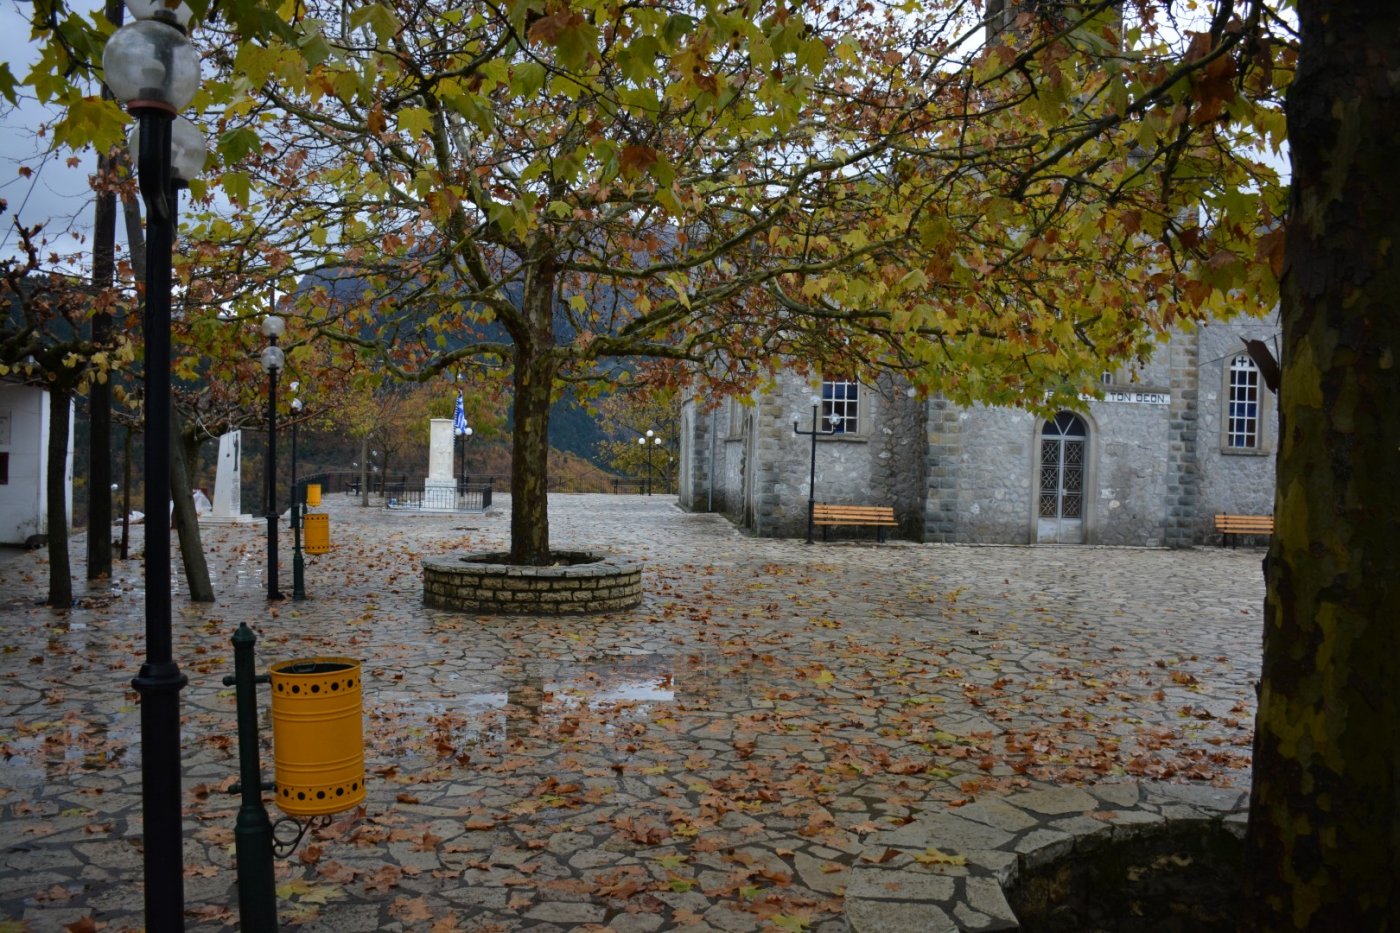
(316, 531)
(313, 493)
(318, 746)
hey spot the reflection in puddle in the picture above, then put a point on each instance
(528, 697)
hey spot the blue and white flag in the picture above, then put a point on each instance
(459, 417)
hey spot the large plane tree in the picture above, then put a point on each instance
(1324, 831)
(551, 186)
(544, 189)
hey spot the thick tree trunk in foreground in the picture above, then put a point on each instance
(1323, 847)
(56, 500)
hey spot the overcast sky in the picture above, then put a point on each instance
(56, 194)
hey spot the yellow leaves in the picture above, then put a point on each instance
(415, 121)
(527, 79)
(379, 19)
(305, 892)
(678, 283)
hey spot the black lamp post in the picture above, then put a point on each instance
(273, 359)
(812, 479)
(152, 66)
(298, 507)
(650, 441)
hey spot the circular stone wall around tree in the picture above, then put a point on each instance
(577, 582)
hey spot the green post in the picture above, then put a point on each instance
(298, 563)
(252, 836)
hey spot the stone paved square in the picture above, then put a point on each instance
(722, 757)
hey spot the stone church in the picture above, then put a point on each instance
(1190, 434)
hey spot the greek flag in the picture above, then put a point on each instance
(459, 417)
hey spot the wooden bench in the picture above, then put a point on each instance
(1231, 526)
(828, 516)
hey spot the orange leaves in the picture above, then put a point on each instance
(548, 29)
(411, 910)
(636, 160)
(642, 829)
(385, 878)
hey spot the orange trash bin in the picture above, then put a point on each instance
(316, 532)
(318, 745)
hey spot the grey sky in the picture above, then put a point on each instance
(57, 194)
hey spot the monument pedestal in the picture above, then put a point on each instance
(439, 496)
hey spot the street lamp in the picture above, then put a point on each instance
(464, 434)
(298, 506)
(650, 441)
(273, 359)
(815, 433)
(151, 65)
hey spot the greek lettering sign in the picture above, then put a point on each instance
(1121, 397)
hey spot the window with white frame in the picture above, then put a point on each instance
(840, 406)
(1243, 412)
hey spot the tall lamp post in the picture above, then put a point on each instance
(650, 441)
(273, 359)
(298, 506)
(152, 66)
(815, 433)
(462, 430)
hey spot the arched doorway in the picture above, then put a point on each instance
(1064, 442)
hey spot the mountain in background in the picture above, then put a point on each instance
(571, 428)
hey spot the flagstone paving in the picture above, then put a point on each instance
(740, 752)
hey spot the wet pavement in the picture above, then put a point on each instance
(726, 756)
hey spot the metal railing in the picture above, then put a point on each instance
(464, 498)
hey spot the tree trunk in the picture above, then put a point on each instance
(364, 472)
(99, 539)
(535, 369)
(104, 233)
(529, 477)
(1323, 845)
(186, 520)
(56, 500)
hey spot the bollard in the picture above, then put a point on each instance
(252, 834)
(318, 735)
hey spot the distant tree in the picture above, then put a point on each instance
(629, 416)
(46, 341)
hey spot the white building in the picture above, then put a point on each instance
(24, 459)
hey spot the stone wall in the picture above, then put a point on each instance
(1157, 468)
(943, 439)
(1236, 481)
(1182, 500)
(899, 465)
(481, 583)
(880, 464)
(995, 452)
